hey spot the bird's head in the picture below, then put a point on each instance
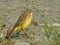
(28, 12)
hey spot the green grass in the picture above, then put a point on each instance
(52, 33)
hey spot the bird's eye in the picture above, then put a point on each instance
(29, 12)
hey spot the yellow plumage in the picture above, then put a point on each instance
(22, 23)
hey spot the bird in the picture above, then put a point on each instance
(22, 23)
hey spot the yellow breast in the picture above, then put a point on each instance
(26, 22)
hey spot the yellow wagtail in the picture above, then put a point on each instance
(23, 21)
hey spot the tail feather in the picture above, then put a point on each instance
(9, 33)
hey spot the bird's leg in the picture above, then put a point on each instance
(24, 33)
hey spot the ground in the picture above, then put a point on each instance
(45, 12)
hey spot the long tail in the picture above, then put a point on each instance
(9, 33)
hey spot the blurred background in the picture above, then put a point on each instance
(45, 26)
